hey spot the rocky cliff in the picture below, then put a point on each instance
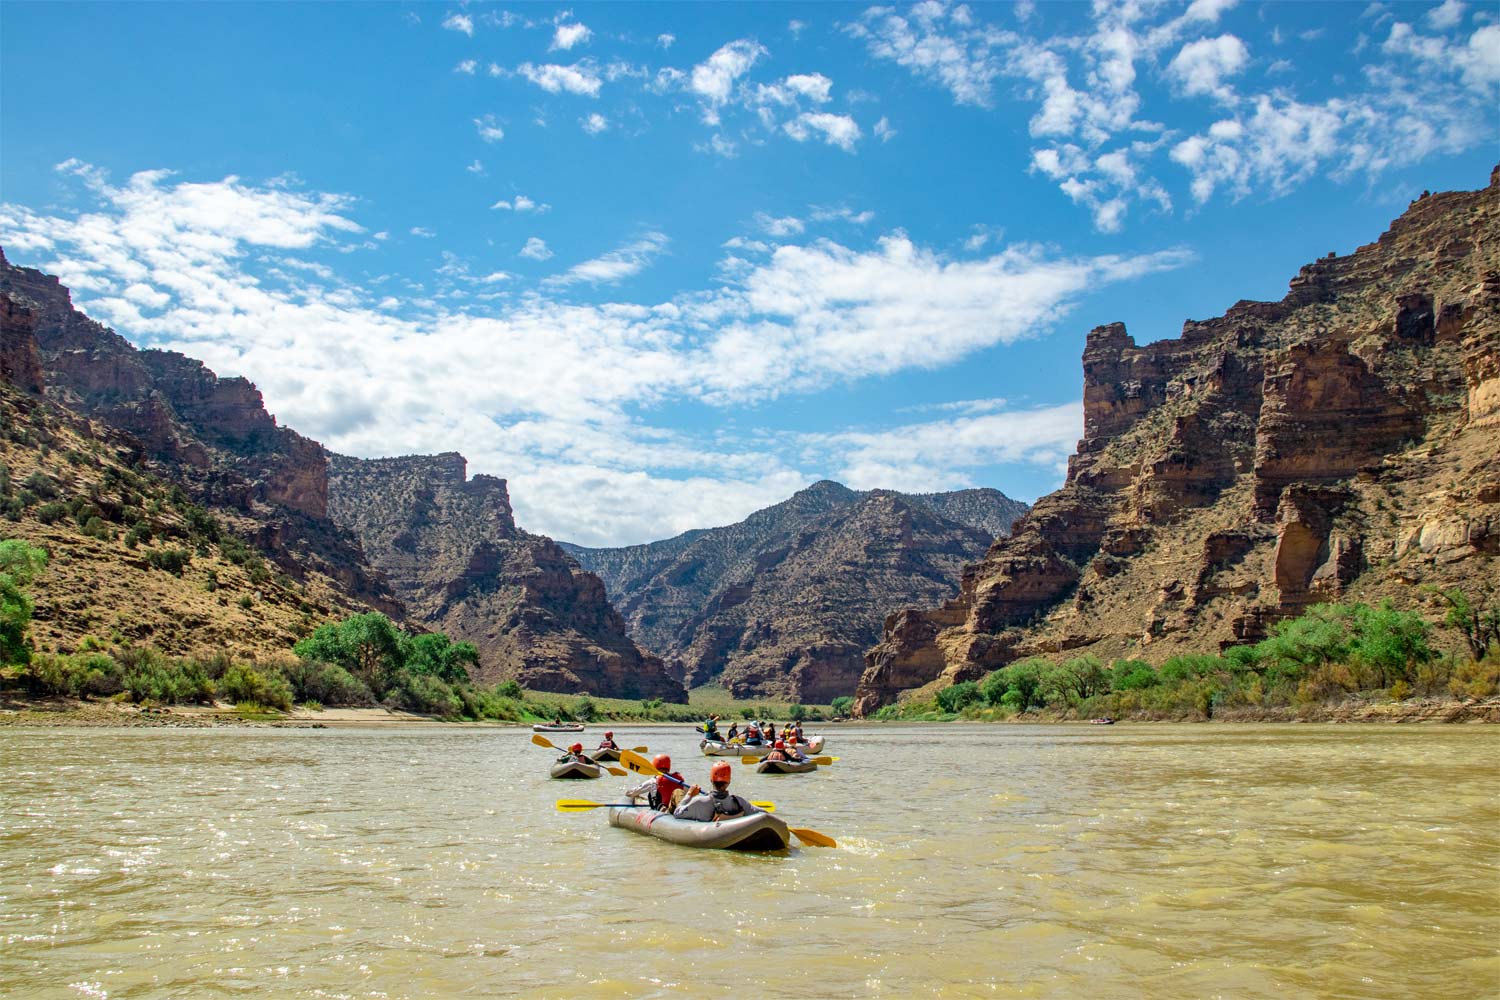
(210, 435)
(450, 547)
(1338, 444)
(784, 603)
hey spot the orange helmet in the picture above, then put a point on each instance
(719, 772)
(576, 748)
(780, 744)
(661, 762)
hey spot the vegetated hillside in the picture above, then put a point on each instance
(450, 547)
(1341, 444)
(784, 603)
(132, 558)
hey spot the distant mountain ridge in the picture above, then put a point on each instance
(784, 603)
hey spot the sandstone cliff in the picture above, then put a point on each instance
(210, 435)
(784, 603)
(1338, 444)
(451, 550)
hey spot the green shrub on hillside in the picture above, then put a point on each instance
(20, 565)
(242, 683)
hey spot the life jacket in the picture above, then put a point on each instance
(665, 787)
(752, 734)
(726, 803)
(776, 755)
(608, 745)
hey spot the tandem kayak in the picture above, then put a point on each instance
(760, 831)
(603, 754)
(566, 727)
(573, 769)
(785, 767)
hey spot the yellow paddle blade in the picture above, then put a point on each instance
(618, 772)
(637, 763)
(824, 761)
(813, 837)
(769, 807)
(542, 741)
(749, 760)
(579, 805)
(640, 749)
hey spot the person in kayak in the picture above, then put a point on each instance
(734, 731)
(778, 752)
(711, 729)
(662, 791)
(752, 735)
(797, 733)
(575, 753)
(794, 755)
(608, 743)
(720, 803)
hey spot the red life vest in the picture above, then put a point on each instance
(665, 786)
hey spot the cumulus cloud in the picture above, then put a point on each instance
(579, 78)
(713, 79)
(1202, 66)
(784, 226)
(568, 35)
(489, 129)
(246, 278)
(521, 204)
(836, 130)
(536, 249)
(594, 123)
(467, 66)
(460, 22)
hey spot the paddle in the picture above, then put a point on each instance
(542, 741)
(579, 805)
(820, 761)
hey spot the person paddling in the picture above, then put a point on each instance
(795, 755)
(778, 752)
(659, 791)
(575, 753)
(608, 743)
(734, 732)
(752, 735)
(718, 804)
(711, 729)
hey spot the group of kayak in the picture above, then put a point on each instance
(759, 739)
(665, 805)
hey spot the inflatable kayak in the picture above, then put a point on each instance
(605, 754)
(713, 748)
(757, 832)
(566, 727)
(573, 769)
(784, 767)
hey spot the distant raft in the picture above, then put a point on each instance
(566, 727)
(575, 769)
(785, 767)
(719, 748)
(756, 832)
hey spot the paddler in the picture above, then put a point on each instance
(660, 790)
(752, 734)
(608, 743)
(718, 804)
(734, 731)
(711, 729)
(794, 755)
(778, 752)
(575, 753)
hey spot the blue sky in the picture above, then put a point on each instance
(662, 264)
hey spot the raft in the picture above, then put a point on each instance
(785, 767)
(712, 748)
(566, 727)
(760, 831)
(573, 769)
(605, 754)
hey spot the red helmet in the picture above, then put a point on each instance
(609, 735)
(576, 748)
(719, 772)
(661, 762)
(780, 744)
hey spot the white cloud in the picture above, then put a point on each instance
(796, 28)
(536, 249)
(665, 40)
(1448, 15)
(784, 226)
(594, 123)
(713, 79)
(208, 269)
(1202, 66)
(475, 168)
(489, 129)
(836, 130)
(467, 66)
(568, 35)
(579, 78)
(618, 264)
(460, 22)
(422, 232)
(813, 86)
(520, 203)
(883, 130)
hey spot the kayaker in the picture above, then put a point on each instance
(778, 752)
(608, 743)
(797, 732)
(752, 735)
(734, 731)
(711, 729)
(575, 753)
(794, 755)
(720, 803)
(660, 790)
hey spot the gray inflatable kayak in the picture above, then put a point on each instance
(573, 769)
(760, 831)
(713, 748)
(784, 767)
(605, 754)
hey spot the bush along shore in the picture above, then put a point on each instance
(1337, 662)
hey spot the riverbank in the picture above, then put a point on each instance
(55, 712)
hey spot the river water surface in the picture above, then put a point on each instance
(1143, 861)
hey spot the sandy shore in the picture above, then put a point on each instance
(72, 712)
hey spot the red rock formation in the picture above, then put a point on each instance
(20, 363)
(1338, 444)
